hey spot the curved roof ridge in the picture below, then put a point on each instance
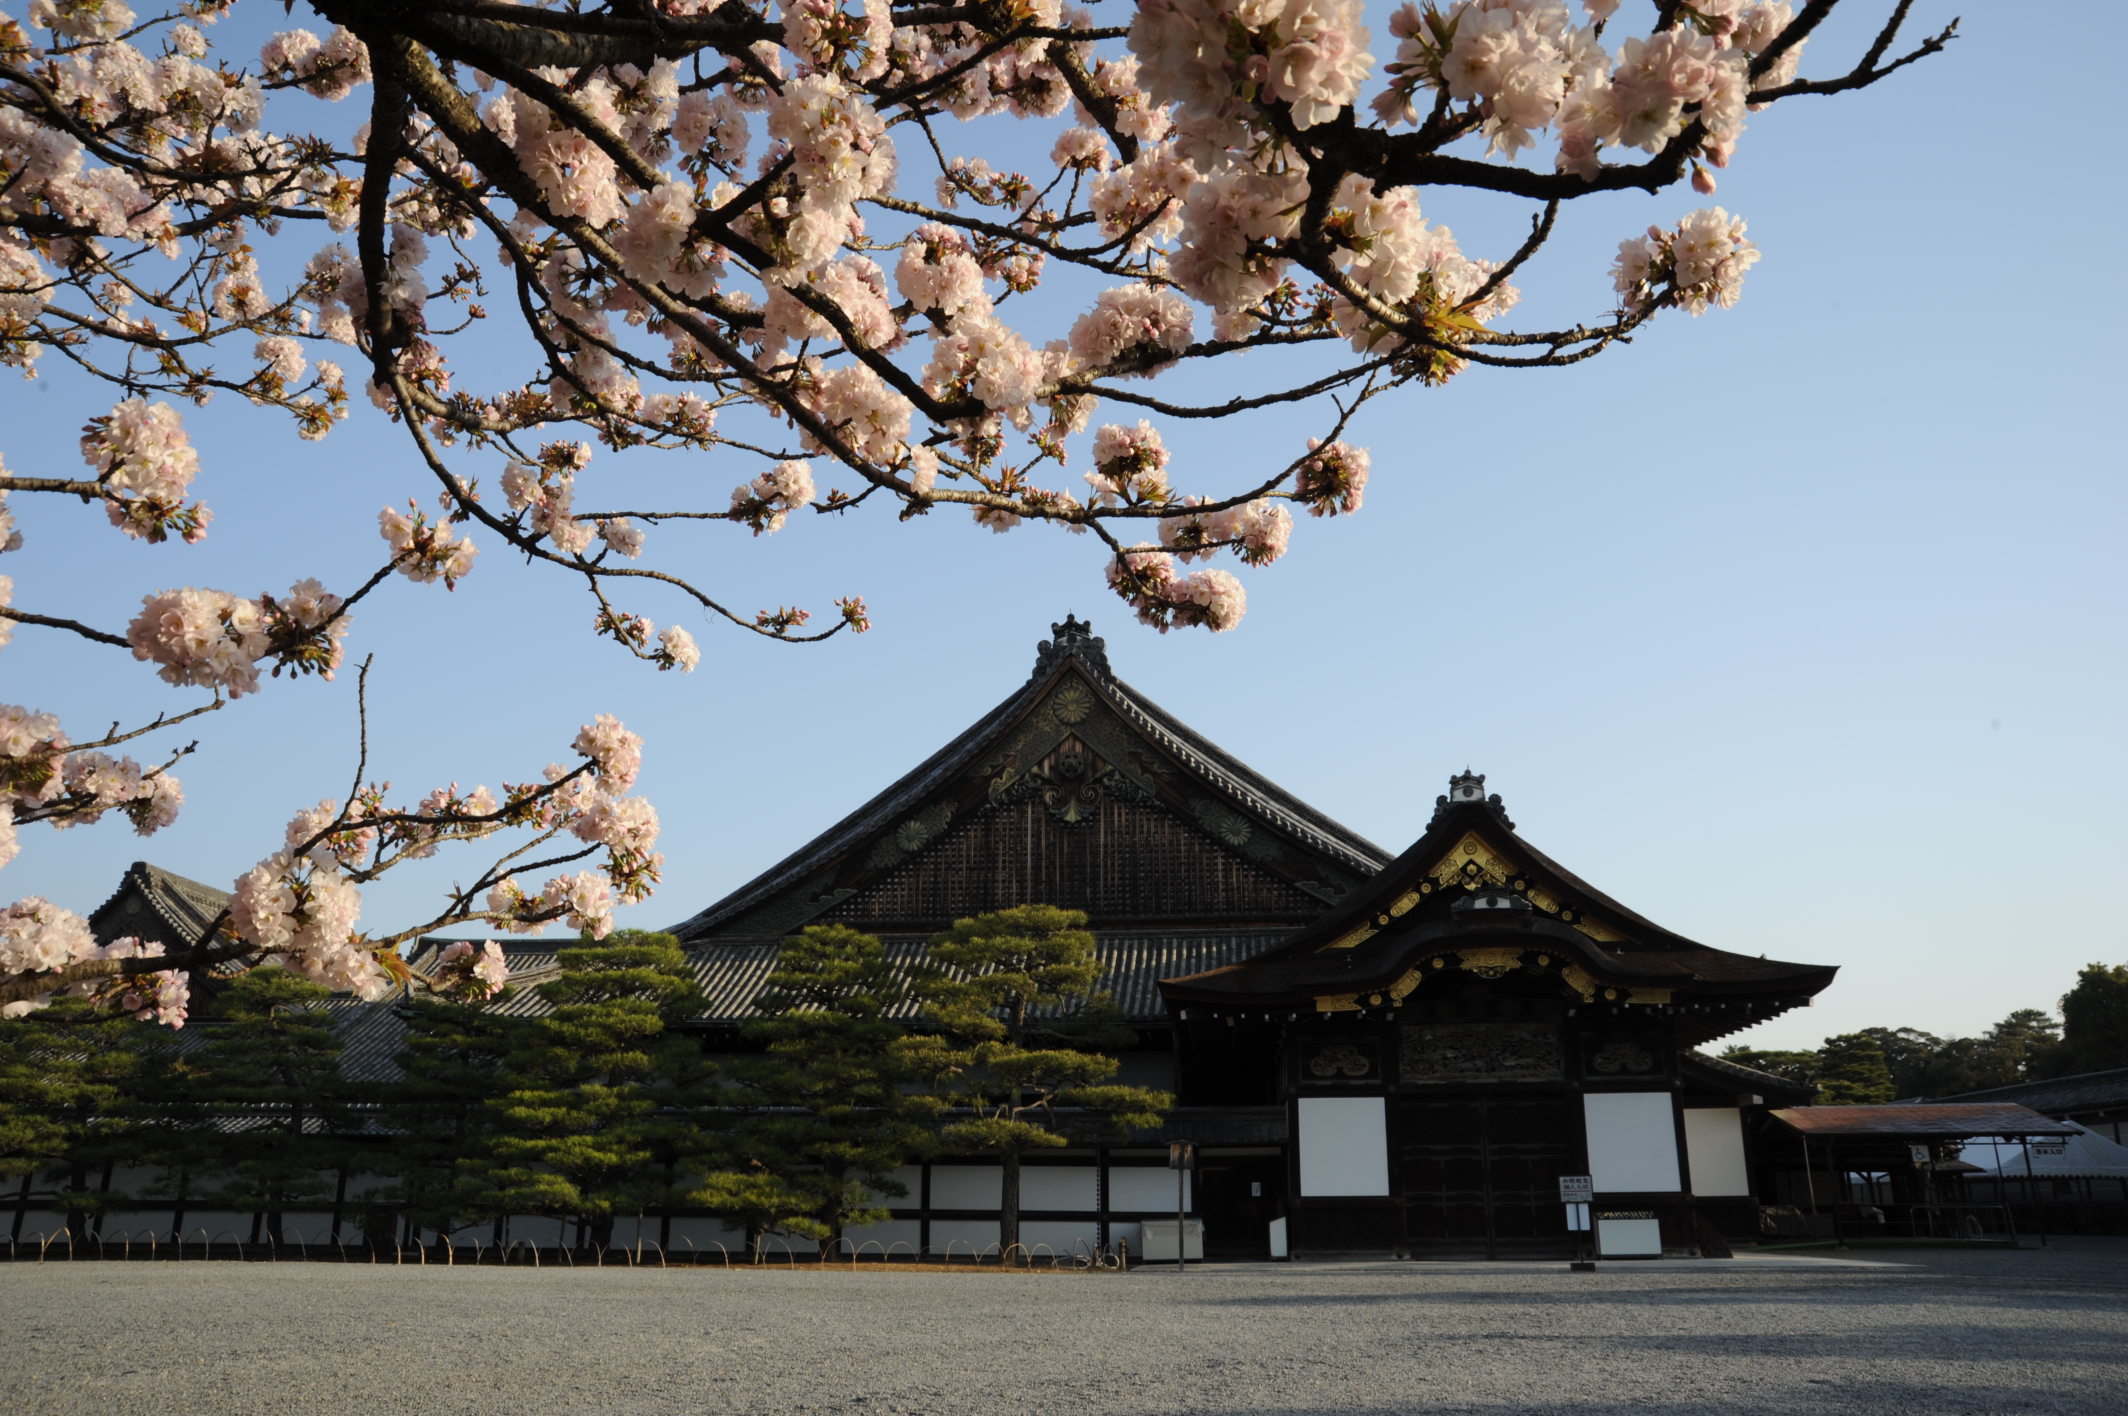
(186, 905)
(1246, 784)
(1072, 646)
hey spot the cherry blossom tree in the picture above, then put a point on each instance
(536, 237)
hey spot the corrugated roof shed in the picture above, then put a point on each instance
(1919, 1121)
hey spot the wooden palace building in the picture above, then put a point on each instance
(1391, 1056)
(1371, 1055)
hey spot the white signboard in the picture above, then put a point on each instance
(1576, 1189)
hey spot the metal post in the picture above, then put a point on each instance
(2032, 1187)
(1180, 1155)
(1182, 1246)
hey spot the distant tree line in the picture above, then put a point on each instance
(604, 1103)
(1887, 1064)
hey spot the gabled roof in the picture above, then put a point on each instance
(1149, 756)
(187, 907)
(1472, 884)
(2085, 1091)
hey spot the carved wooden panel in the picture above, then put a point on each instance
(1481, 1052)
(1331, 1059)
(1121, 861)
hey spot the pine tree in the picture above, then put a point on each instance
(826, 1113)
(453, 1059)
(1018, 1028)
(1802, 1068)
(2095, 1021)
(69, 1104)
(1853, 1072)
(1909, 1055)
(2024, 1042)
(269, 1113)
(590, 1125)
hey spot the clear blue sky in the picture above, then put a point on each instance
(1797, 627)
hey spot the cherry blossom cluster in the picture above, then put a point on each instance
(44, 778)
(1130, 466)
(217, 640)
(1164, 598)
(305, 910)
(1216, 59)
(1332, 478)
(765, 502)
(425, 551)
(145, 463)
(470, 970)
(303, 902)
(1701, 263)
(1258, 531)
(163, 996)
(676, 648)
(39, 937)
(1528, 68)
(543, 492)
(583, 901)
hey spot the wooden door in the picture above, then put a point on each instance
(1480, 1176)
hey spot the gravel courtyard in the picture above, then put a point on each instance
(2039, 1331)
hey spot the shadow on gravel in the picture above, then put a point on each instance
(1578, 1290)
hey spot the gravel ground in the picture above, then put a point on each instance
(2037, 1330)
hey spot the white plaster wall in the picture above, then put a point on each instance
(221, 1225)
(305, 1226)
(1632, 1141)
(886, 1234)
(141, 1180)
(968, 1187)
(539, 1230)
(139, 1224)
(1344, 1146)
(1714, 1150)
(1144, 1188)
(957, 1235)
(911, 1176)
(1058, 1187)
(696, 1236)
(1061, 1235)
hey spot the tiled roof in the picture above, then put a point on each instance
(2086, 1091)
(1921, 1120)
(371, 1035)
(730, 975)
(187, 906)
(1750, 1077)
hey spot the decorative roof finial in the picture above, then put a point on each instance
(1073, 639)
(1468, 788)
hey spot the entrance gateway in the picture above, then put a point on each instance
(1478, 1025)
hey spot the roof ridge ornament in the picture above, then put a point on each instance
(1468, 787)
(1073, 639)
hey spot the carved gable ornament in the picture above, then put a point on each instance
(1071, 784)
